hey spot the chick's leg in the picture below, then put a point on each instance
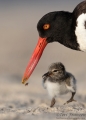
(52, 102)
(71, 99)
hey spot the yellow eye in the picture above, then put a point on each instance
(46, 26)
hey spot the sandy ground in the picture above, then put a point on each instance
(19, 102)
(18, 37)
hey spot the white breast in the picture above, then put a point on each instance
(52, 88)
(81, 31)
(55, 89)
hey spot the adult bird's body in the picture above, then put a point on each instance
(64, 27)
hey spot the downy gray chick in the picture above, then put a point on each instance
(58, 82)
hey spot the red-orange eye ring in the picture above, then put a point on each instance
(46, 26)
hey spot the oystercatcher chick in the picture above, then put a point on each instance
(59, 82)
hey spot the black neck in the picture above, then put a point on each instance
(65, 32)
(68, 36)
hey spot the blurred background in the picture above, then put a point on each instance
(18, 38)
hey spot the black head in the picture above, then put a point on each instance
(54, 26)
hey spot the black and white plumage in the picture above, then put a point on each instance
(66, 28)
(59, 82)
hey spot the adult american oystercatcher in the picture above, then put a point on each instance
(64, 27)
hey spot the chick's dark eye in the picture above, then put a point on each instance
(55, 70)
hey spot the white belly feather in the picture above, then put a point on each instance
(81, 31)
(55, 89)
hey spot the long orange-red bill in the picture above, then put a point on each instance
(34, 59)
